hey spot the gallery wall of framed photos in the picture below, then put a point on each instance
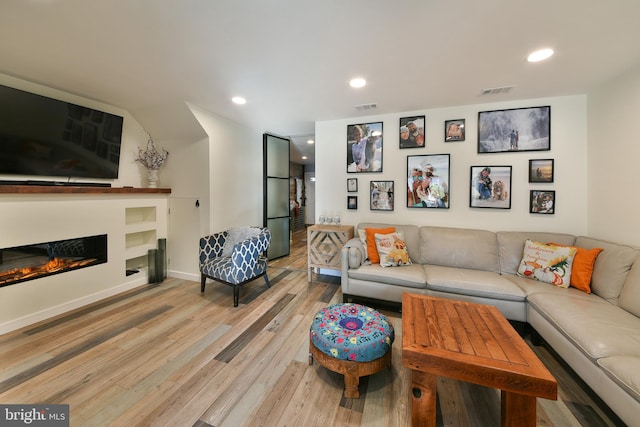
(535, 151)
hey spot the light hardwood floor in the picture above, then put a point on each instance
(167, 355)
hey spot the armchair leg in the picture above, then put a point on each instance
(236, 295)
(266, 280)
(203, 280)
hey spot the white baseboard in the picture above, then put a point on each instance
(50, 312)
(184, 276)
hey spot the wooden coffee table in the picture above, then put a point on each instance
(474, 343)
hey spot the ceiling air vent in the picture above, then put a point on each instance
(497, 90)
(365, 107)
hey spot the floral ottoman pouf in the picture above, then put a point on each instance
(353, 340)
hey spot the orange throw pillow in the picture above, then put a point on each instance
(582, 268)
(372, 250)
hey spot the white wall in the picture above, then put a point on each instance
(235, 172)
(568, 149)
(614, 153)
(223, 174)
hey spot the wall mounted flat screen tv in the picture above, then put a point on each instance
(45, 137)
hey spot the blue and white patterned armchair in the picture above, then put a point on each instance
(246, 261)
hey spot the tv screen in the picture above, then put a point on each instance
(41, 136)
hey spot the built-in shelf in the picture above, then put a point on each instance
(141, 235)
(143, 215)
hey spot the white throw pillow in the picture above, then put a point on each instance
(547, 263)
(236, 235)
(392, 249)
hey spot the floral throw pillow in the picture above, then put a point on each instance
(392, 249)
(547, 263)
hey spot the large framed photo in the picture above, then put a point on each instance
(364, 147)
(428, 181)
(412, 132)
(541, 170)
(490, 187)
(518, 129)
(542, 202)
(381, 195)
(454, 130)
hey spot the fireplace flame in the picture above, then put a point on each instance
(51, 266)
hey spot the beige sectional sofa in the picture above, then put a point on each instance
(597, 334)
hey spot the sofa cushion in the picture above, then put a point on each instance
(547, 263)
(611, 267)
(597, 327)
(511, 244)
(630, 293)
(477, 283)
(625, 371)
(392, 249)
(411, 276)
(459, 247)
(533, 286)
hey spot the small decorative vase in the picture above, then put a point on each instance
(152, 178)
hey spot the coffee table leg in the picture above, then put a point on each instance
(517, 410)
(423, 399)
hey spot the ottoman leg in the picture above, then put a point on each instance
(351, 381)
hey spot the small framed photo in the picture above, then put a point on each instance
(454, 130)
(490, 187)
(352, 185)
(412, 132)
(541, 170)
(364, 147)
(517, 129)
(542, 202)
(381, 196)
(352, 202)
(428, 181)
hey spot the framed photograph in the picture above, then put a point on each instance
(364, 147)
(542, 202)
(352, 202)
(412, 132)
(518, 129)
(454, 130)
(352, 185)
(381, 193)
(541, 170)
(428, 181)
(490, 187)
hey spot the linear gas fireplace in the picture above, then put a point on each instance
(29, 262)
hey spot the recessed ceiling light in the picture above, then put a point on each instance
(310, 141)
(304, 157)
(357, 82)
(238, 100)
(540, 55)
